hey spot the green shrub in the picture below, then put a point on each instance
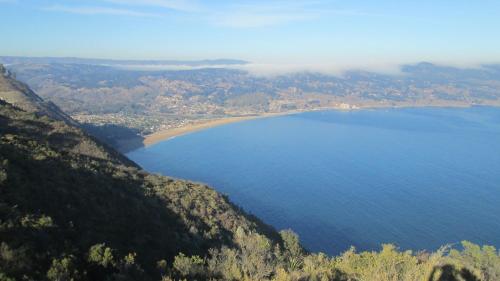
(189, 266)
(62, 269)
(101, 255)
(293, 254)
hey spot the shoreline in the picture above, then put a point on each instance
(164, 135)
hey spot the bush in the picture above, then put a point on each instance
(189, 266)
(293, 254)
(101, 255)
(62, 269)
(256, 255)
(484, 261)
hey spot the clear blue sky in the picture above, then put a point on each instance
(295, 30)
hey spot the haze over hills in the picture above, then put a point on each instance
(139, 102)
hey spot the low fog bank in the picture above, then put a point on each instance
(338, 69)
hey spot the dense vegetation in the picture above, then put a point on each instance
(65, 198)
(256, 258)
(73, 209)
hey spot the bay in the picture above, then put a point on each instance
(416, 177)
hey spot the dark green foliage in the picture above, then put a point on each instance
(101, 255)
(72, 205)
(189, 266)
(63, 269)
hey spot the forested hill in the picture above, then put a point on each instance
(70, 206)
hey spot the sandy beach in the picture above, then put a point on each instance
(130, 144)
(210, 123)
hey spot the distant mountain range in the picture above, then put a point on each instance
(71, 60)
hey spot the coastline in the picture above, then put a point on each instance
(205, 124)
(163, 135)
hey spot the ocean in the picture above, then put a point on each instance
(419, 178)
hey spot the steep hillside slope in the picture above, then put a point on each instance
(20, 95)
(62, 192)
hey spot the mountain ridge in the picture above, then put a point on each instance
(76, 60)
(20, 95)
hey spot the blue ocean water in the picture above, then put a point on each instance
(416, 177)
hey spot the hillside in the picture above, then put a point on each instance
(63, 192)
(20, 95)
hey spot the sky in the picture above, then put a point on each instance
(293, 33)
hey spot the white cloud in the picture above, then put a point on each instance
(238, 14)
(252, 19)
(231, 14)
(97, 11)
(271, 13)
(179, 5)
(262, 14)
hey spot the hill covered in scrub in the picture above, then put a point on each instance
(62, 192)
(71, 208)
